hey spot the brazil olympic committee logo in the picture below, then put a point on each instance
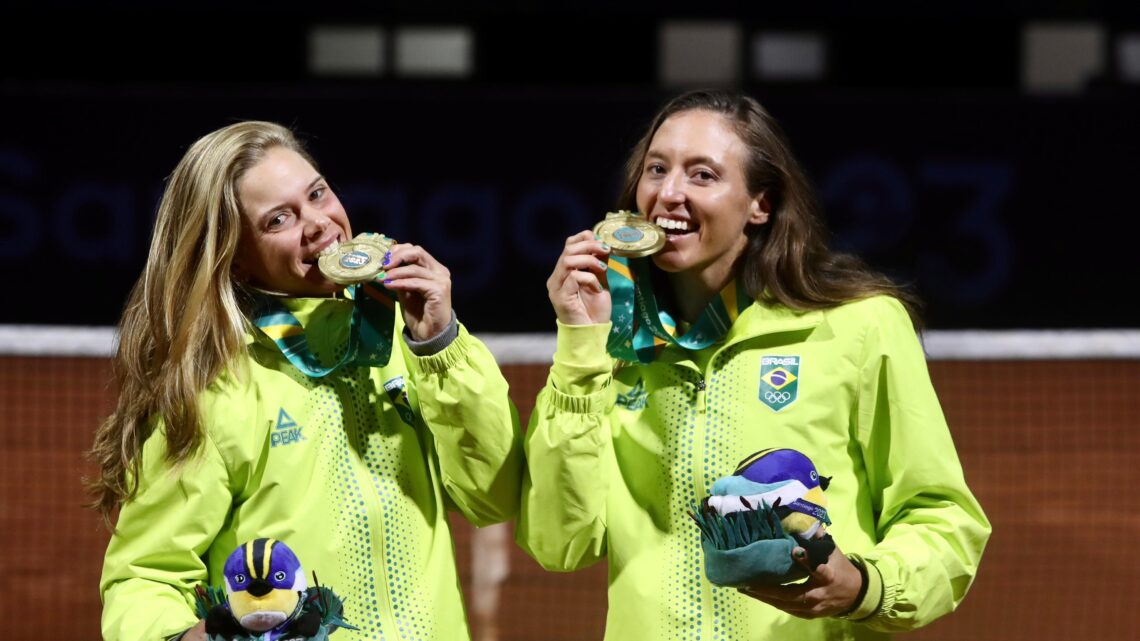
(779, 381)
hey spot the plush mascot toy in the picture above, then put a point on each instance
(266, 598)
(754, 518)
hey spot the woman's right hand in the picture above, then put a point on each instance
(577, 288)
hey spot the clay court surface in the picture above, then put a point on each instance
(1051, 448)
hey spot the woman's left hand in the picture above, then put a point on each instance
(831, 588)
(423, 287)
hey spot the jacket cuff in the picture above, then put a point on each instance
(872, 593)
(596, 402)
(581, 364)
(436, 343)
(450, 356)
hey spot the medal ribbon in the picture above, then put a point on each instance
(369, 333)
(641, 328)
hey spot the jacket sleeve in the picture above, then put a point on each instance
(569, 452)
(154, 558)
(464, 402)
(931, 530)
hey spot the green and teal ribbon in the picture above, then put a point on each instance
(641, 328)
(369, 337)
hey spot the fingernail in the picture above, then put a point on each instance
(387, 281)
(603, 264)
(597, 237)
(387, 257)
(605, 247)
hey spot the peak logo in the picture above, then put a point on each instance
(287, 431)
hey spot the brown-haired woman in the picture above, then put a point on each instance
(663, 380)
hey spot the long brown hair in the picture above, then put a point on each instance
(183, 324)
(787, 260)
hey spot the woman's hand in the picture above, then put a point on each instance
(423, 287)
(830, 590)
(577, 288)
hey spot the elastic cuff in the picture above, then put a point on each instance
(445, 359)
(435, 344)
(596, 402)
(870, 594)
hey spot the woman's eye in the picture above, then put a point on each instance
(317, 193)
(654, 169)
(704, 174)
(277, 220)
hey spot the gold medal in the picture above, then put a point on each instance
(630, 234)
(356, 261)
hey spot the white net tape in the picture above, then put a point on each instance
(527, 349)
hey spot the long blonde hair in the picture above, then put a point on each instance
(183, 324)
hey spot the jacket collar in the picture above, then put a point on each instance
(764, 319)
(326, 321)
(759, 320)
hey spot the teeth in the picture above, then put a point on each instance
(669, 223)
(330, 249)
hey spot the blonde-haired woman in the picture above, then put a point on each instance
(256, 401)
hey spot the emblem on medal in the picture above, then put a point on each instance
(355, 261)
(630, 234)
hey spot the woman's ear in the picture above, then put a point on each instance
(759, 209)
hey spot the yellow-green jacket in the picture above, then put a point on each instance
(354, 472)
(616, 460)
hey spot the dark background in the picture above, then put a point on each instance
(1004, 209)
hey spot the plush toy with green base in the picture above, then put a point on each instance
(757, 516)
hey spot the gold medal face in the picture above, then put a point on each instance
(356, 261)
(630, 235)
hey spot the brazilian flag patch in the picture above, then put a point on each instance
(779, 381)
(399, 397)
